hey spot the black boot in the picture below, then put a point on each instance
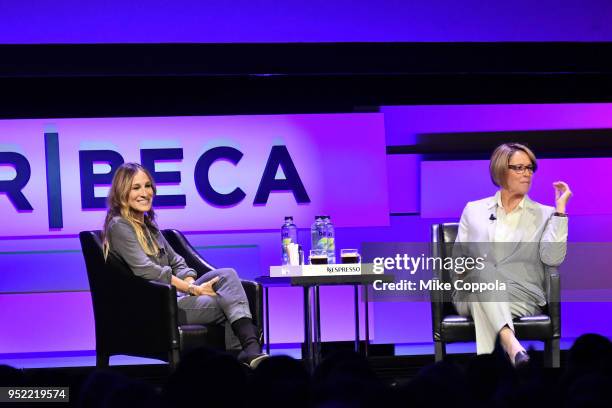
(246, 332)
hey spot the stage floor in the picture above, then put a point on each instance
(88, 358)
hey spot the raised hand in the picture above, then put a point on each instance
(562, 195)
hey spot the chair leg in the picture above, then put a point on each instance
(440, 349)
(173, 358)
(102, 359)
(552, 353)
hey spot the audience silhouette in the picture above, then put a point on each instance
(209, 378)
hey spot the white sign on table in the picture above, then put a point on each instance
(320, 270)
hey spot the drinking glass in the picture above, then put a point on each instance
(318, 257)
(350, 256)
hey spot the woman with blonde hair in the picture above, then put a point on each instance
(131, 232)
(517, 237)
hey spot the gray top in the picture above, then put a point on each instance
(123, 243)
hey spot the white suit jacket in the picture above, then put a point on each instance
(540, 239)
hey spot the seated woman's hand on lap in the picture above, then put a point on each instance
(206, 288)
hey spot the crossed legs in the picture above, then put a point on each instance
(229, 307)
(230, 304)
(495, 318)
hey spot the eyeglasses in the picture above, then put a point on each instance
(520, 168)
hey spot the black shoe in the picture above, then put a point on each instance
(246, 332)
(252, 361)
(521, 359)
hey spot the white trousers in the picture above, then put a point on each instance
(490, 317)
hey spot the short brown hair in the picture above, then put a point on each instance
(498, 166)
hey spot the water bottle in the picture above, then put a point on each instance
(318, 236)
(288, 236)
(331, 241)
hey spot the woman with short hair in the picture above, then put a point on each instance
(517, 237)
(131, 233)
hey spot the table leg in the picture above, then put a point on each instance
(317, 326)
(367, 320)
(356, 318)
(267, 318)
(308, 328)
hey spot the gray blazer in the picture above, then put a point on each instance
(540, 239)
(123, 243)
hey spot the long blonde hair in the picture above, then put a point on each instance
(118, 205)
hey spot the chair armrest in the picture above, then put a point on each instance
(437, 307)
(254, 293)
(138, 315)
(553, 298)
(164, 294)
(437, 312)
(146, 294)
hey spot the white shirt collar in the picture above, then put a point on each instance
(498, 202)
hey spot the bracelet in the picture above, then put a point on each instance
(558, 214)
(191, 286)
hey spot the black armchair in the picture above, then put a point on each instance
(450, 327)
(121, 298)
